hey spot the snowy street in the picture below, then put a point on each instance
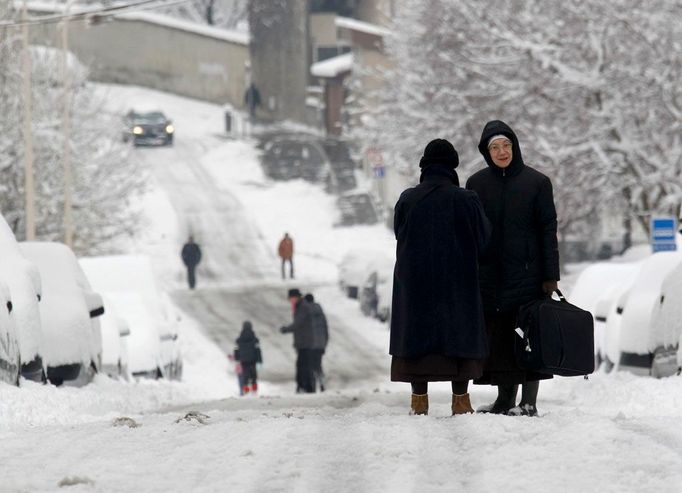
(611, 433)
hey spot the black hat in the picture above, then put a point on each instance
(294, 293)
(309, 297)
(439, 152)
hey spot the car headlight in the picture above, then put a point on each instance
(137, 130)
(170, 129)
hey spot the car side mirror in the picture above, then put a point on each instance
(97, 312)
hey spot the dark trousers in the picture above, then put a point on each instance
(291, 267)
(249, 373)
(305, 379)
(318, 373)
(191, 276)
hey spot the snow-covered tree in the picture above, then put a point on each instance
(105, 180)
(591, 88)
(229, 14)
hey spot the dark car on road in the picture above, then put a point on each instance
(148, 128)
(288, 158)
(357, 208)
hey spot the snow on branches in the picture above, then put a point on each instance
(591, 87)
(105, 180)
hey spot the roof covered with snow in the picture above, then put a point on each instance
(232, 36)
(333, 67)
(360, 26)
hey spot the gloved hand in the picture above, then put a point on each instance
(548, 287)
(283, 329)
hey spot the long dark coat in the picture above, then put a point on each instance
(440, 229)
(191, 254)
(320, 328)
(523, 251)
(248, 346)
(302, 326)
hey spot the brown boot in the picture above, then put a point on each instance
(420, 404)
(461, 404)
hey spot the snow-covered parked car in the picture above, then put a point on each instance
(128, 283)
(637, 339)
(666, 326)
(69, 310)
(23, 280)
(115, 332)
(596, 290)
(357, 265)
(10, 359)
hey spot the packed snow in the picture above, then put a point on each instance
(614, 432)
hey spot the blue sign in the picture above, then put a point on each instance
(663, 233)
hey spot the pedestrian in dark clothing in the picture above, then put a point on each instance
(302, 328)
(320, 339)
(437, 328)
(252, 100)
(248, 354)
(286, 253)
(191, 256)
(521, 263)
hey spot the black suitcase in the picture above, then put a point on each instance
(555, 337)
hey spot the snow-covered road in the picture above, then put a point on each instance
(612, 433)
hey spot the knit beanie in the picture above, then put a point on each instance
(439, 152)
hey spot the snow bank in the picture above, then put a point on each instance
(300, 208)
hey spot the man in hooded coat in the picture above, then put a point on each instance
(521, 263)
(437, 327)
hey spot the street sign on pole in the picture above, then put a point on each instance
(663, 233)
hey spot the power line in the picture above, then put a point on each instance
(104, 12)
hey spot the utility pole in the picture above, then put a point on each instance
(66, 134)
(29, 186)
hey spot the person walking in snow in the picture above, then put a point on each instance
(191, 256)
(248, 354)
(302, 328)
(437, 328)
(320, 339)
(286, 253)
(521, 263)
(252, 100)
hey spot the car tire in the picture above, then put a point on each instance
(18, 379)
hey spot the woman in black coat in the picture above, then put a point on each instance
(521, 263)
(437, 327)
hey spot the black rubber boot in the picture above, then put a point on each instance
(529, 398)
(506, 399)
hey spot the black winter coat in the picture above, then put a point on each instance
(320, 329)
(440, 229)
(248, 346)
(191, 254)
(523, 251)
(302, 326)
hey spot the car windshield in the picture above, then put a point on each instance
(153, 117)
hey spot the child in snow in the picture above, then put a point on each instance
(248, 354)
